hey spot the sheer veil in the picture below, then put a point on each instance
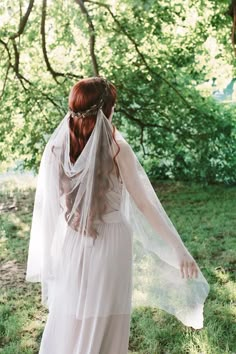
(73, 199)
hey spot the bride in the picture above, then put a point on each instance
(101, 243)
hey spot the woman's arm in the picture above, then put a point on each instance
(132, 179)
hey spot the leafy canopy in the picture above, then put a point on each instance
(161, 55)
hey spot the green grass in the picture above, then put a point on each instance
(206, 220)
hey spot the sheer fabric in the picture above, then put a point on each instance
(101, 243)
(158, 249)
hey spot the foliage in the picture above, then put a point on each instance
(156, 52)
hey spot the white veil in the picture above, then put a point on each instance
(72, 200)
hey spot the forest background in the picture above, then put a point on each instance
(168, 60)
(174, 65)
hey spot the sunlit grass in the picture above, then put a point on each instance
(204, 217)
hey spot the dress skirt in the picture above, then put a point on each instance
(90, 296)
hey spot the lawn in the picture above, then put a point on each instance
(205, 217)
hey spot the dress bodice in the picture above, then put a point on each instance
(113, 195)
(113, 200)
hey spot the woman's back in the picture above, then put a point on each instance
(94, 205)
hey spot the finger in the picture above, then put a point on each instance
(187, 269)
(192, 269)
(182, 269)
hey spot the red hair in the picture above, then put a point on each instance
(83, 95)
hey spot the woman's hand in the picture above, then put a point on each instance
(188, 266)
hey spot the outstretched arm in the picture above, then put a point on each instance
(129, 169)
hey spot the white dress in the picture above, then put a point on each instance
(104, 282)
(91, 285)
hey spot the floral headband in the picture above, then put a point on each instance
(94, 108)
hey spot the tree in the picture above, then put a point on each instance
(156, 52)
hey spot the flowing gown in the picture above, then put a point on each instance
(104, 284)
(90, 286)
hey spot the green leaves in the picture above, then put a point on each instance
(161, 56)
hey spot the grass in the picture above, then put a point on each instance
(206, 220)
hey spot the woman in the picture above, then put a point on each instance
(101, 242)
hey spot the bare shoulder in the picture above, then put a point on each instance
(124, 146)
(126, 151)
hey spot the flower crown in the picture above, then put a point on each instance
(94, 108)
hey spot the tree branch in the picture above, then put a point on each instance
(141, 55)
(6, 49)
(17, 57)
(92, 37)
(21, 78)
(5, 81)
(232, 13)
(44, 47)
(55, 74)
(183, 135)
(23, 21)
(141, 141)
(140, 123)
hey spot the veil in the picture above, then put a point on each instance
(73, 200)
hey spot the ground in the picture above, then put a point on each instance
(205, 218)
